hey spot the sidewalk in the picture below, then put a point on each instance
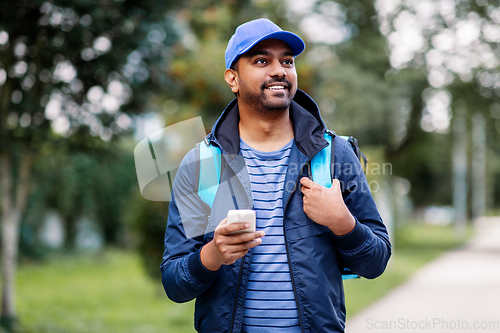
(460, 291)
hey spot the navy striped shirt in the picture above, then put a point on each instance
(270, 301)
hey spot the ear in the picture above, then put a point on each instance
(231, 78)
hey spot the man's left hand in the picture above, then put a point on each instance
(326, 206)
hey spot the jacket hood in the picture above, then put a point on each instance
(308, 126)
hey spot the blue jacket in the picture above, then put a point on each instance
(315, 254)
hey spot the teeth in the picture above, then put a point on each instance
(276, 87)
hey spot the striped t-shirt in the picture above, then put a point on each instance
(270, 301)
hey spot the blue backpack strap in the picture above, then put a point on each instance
(347, 274)
(321, 164)
(322, 169)
(209, 176)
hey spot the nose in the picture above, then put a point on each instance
(276, 70)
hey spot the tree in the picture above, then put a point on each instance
(69, 73)
(94, 184)
(455, 46)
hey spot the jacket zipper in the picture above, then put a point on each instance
(237, 292)
(240, 275)
(288, 254)
(293, 283)
(290, 266)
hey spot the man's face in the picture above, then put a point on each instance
(265, 77)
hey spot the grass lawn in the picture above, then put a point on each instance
(415, 246)
(108, 292)
(102, 293)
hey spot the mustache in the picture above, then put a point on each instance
(281, 80)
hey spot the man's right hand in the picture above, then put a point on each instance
(225, 248)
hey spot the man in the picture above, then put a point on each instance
(285, 276)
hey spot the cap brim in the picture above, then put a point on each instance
(295, 42)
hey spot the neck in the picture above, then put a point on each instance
(265, 131)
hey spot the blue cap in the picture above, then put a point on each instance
(250, 33)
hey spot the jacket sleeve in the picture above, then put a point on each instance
(366, 249)
(183, 275)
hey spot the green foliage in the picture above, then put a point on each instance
(94, 183)
(471, 83)
(427, 165)
(52, 54)
(147, 220)
(350, 80)
(356, 102)
(57, 51)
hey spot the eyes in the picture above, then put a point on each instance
(284, 62)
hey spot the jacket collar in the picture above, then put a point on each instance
(308, 127)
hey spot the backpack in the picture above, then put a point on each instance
(321, 171)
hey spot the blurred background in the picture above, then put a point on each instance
(83, 81)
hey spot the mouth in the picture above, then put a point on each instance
(277, 87)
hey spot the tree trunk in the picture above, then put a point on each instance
(69, 232)
(478, 165)
(460, 190)
(12, 209)
(10, 237)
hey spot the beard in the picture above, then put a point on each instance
(265, 104)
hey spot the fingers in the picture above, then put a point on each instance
(241, 247)
(307, 185)
(243, 237)
(309, 188)
(230, 252)
(230, 247)
(306, 182)
(223, 229)
(227, 229)
(236, 255)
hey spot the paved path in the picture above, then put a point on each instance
(458, 292)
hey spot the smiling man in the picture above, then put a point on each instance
(286, 275)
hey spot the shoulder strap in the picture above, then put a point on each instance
(322, 170)
(354, 144)
(321, 163)
(209, 172)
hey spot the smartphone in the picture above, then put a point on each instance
(242, 215)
